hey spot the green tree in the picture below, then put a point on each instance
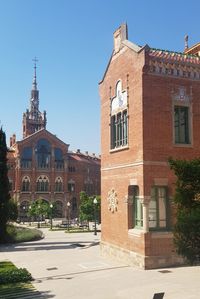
(12, 210)
(187, 200)
(39, 208)
(86, 208)
(4, 187)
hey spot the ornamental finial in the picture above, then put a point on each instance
(186, 42)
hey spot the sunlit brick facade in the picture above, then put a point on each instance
(150, 111)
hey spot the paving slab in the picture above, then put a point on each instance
(70, 266)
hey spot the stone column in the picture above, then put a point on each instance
(145, 209)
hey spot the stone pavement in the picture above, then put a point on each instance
(69, 266)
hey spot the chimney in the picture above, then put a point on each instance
(120, 35)
(86, 153)
(78, 151)
(13, 139)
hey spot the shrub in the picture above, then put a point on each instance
(9, 273)
(22, 234)
(14, 275)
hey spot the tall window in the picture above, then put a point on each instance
(26, 158)
(58, 184)
(158, 208)
(43, 184)
(25, 184)
(119, 118)
(181, 124)
(119, 129)
(59, 161)
(71, 186)
(43, 154)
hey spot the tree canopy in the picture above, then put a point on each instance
(86, 208)
(187, 200)
(4, 187)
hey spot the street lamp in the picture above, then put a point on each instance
(68, 207)
(29, 215)
(24, 208)
(51, 222)
(38, 216)
(95, 216)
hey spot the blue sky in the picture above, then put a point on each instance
(73, 41)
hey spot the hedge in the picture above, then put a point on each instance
(14, 275)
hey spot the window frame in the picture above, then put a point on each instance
(180, 138)
(119, 118)
(158, 227)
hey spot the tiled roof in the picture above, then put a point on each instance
(84, 158)
(174, 56)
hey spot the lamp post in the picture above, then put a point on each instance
(95, 216)
(24, 208)
(68, 207)
(29, 215)
(38, 216)
(51, 220)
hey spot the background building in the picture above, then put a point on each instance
(150, 111)
(41, 166)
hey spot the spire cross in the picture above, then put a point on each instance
(35, 60)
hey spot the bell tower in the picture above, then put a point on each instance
(33, 119)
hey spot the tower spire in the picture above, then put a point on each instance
(35, 74)
(33, 119)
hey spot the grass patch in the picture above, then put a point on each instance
(22, 234)
(9, 273)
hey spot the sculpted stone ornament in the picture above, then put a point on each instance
(112, 200)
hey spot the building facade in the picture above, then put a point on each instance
(42, 167)
(150, 111)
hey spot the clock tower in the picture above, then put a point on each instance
(33, 119)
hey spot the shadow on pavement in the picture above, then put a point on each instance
(70, 275)
(33, 246)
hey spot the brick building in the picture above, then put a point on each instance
(150, 111)
(41, 166)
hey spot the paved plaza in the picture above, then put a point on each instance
(69, 266)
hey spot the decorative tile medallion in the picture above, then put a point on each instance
(112, 200)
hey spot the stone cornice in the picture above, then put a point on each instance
(178, 69)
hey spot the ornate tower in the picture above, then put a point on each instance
(33, 119)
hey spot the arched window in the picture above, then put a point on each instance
(25, 184)
(58, 184)
(43, 154)
(43, 184)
